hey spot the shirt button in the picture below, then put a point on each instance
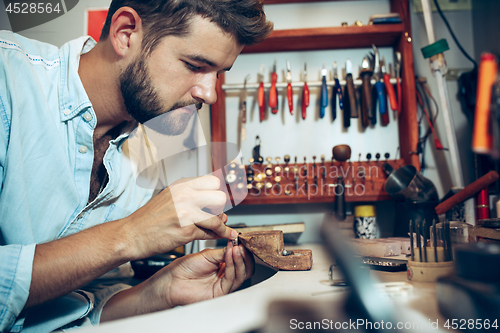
(80, 215)
(83, 149)
(87, 116)
(67, 112)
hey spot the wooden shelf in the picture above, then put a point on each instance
(397, 36)
(329, 38)
(357, 188)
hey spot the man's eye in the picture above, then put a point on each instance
(192, 68)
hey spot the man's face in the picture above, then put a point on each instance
(181, 71)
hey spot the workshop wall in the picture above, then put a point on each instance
(285, 134)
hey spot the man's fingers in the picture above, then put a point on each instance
(228, 279)
(216, 225)
(214, 200)
(208, 182)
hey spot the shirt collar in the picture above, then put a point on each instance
(74, 98)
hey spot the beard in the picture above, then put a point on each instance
(144, 105)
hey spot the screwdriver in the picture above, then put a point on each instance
(273, 93)
(337, 91)
(289, 88)
(261, 95)
(305, 94)
(389, 87)
(324, 93)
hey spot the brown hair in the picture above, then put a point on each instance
(244, 19)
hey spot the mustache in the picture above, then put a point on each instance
(184, 104)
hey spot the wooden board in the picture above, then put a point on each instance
(268, 246)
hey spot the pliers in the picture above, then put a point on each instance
(379, 88)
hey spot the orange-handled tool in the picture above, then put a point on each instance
(390, 91)
(261, 95)
(305, 94)
(482, 139)
(289, 89)
(273, 93)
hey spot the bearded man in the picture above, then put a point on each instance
(69, 205)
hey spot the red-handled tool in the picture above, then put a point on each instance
(389, 87)
(261, 95)
(289, 89)
(305, 94)
(273, 93)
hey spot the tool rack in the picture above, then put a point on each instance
(397, 36)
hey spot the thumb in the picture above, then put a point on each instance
(214, 256)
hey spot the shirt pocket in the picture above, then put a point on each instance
(115, 213)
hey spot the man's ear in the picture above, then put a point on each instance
(125, 31)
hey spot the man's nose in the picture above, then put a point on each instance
(204, 90)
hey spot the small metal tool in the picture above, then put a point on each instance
(289, 88)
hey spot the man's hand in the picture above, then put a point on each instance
(176, 217)
(205, 275)
(192, 278)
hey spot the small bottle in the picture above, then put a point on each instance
(365, 222)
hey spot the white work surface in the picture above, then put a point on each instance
(247, 309)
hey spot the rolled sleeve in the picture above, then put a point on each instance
(101, 297)
(15, 278)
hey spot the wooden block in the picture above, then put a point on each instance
(268, 246)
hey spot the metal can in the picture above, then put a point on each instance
(365, 222)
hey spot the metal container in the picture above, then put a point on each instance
(407, 184)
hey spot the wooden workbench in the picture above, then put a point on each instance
(247, 310)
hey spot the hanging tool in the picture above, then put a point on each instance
(261, 94)
(243, 112)
(366, 94)
(388, 86)
(273, 93)
(397, 67)
(256, 151)
(324, 93)
(337, 91)
(379, 87)
(305, 94)
(350, 92)
(289, 88)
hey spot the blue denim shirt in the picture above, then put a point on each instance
(46, 157)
